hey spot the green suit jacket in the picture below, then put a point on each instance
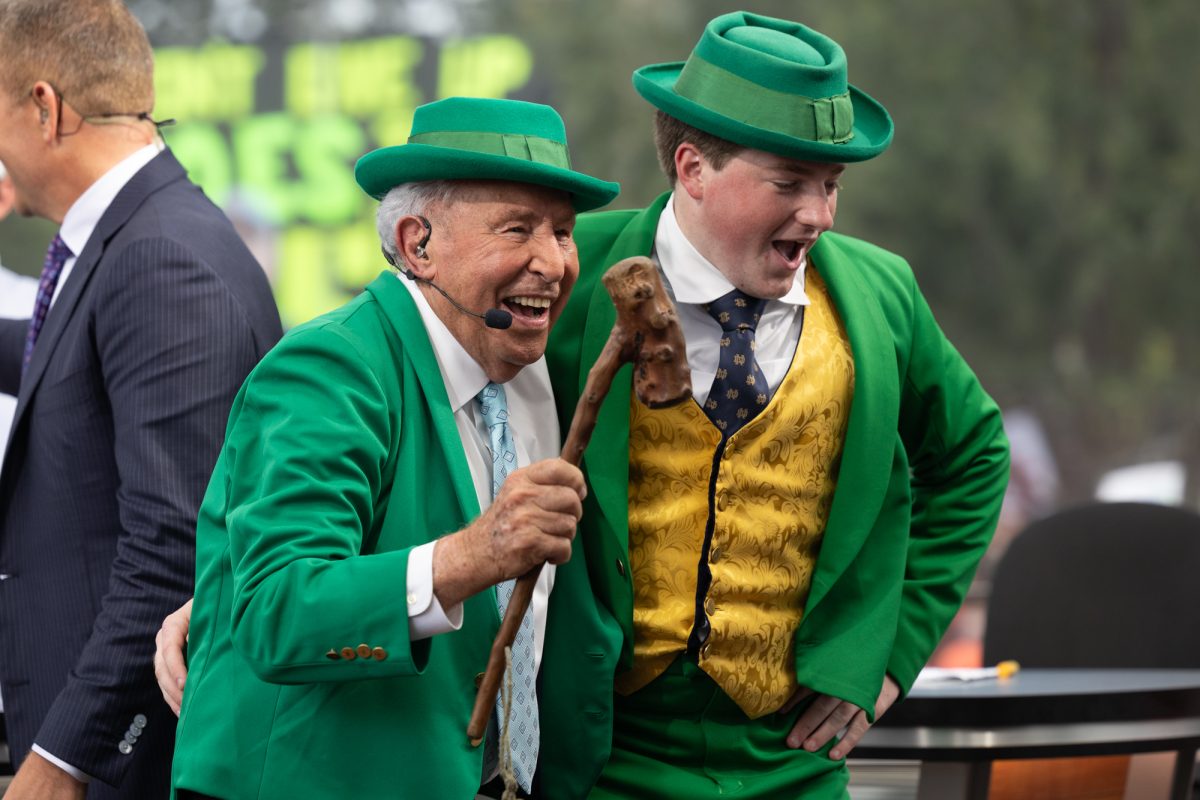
(341, 455)
(924, 468)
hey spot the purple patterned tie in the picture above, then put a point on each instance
(56, 256)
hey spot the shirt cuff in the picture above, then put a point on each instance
(75, 773)
(426, 618)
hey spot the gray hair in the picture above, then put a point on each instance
(406, 199)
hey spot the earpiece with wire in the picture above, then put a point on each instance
(496, 318)
(420, 248)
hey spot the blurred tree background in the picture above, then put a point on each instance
(1044, 181)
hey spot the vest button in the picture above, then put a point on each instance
(709, 606)
(620, 568)
(722, 501)
(715, 555)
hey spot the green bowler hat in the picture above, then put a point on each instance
(471, 138)
(769, 84)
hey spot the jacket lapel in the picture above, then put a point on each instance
(160, 171)
(405, 318)
(606, 460)
(871, 431)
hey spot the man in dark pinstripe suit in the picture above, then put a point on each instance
(150, 314)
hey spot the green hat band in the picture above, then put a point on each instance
(513, 145)
(829, 120)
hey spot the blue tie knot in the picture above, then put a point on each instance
(736, 311)
(493, 404)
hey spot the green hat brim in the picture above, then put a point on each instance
(872, 130)
(379, 171)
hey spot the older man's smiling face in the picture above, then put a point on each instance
(502, 245)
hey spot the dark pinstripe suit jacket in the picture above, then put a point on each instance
(118, 424)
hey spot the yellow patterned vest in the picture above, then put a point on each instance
(771, 492)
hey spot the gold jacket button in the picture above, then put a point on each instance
(379, 654)
(349, 654)
(364, 650)
(332, 655)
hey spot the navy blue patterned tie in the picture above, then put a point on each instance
(523, 733)
(56, 257)
(739, 390)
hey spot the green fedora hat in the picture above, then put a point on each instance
(770, 84)
(471, 138)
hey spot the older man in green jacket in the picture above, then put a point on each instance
(384, 467)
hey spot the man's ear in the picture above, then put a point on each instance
(690, 165)
(46, 100)
(412, 237)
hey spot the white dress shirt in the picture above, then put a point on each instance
(77, 226)
(692, 281)
(533, 423)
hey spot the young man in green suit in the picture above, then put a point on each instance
(770, 565)
(385, 466)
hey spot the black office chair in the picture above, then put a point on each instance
(1113, 585)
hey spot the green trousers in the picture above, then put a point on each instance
(681, 737)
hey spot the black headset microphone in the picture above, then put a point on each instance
(496, 318)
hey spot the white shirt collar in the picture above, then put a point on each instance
(84, 214)
(463, 376)
(692, 277)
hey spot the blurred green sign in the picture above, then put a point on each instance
(272, 136)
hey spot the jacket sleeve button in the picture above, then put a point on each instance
(349, 654)
(332, 655)
(379, 654)
(364, 651)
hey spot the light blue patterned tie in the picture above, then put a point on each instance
(523, 735)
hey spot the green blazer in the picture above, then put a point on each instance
(341, 455)
(924, 468)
